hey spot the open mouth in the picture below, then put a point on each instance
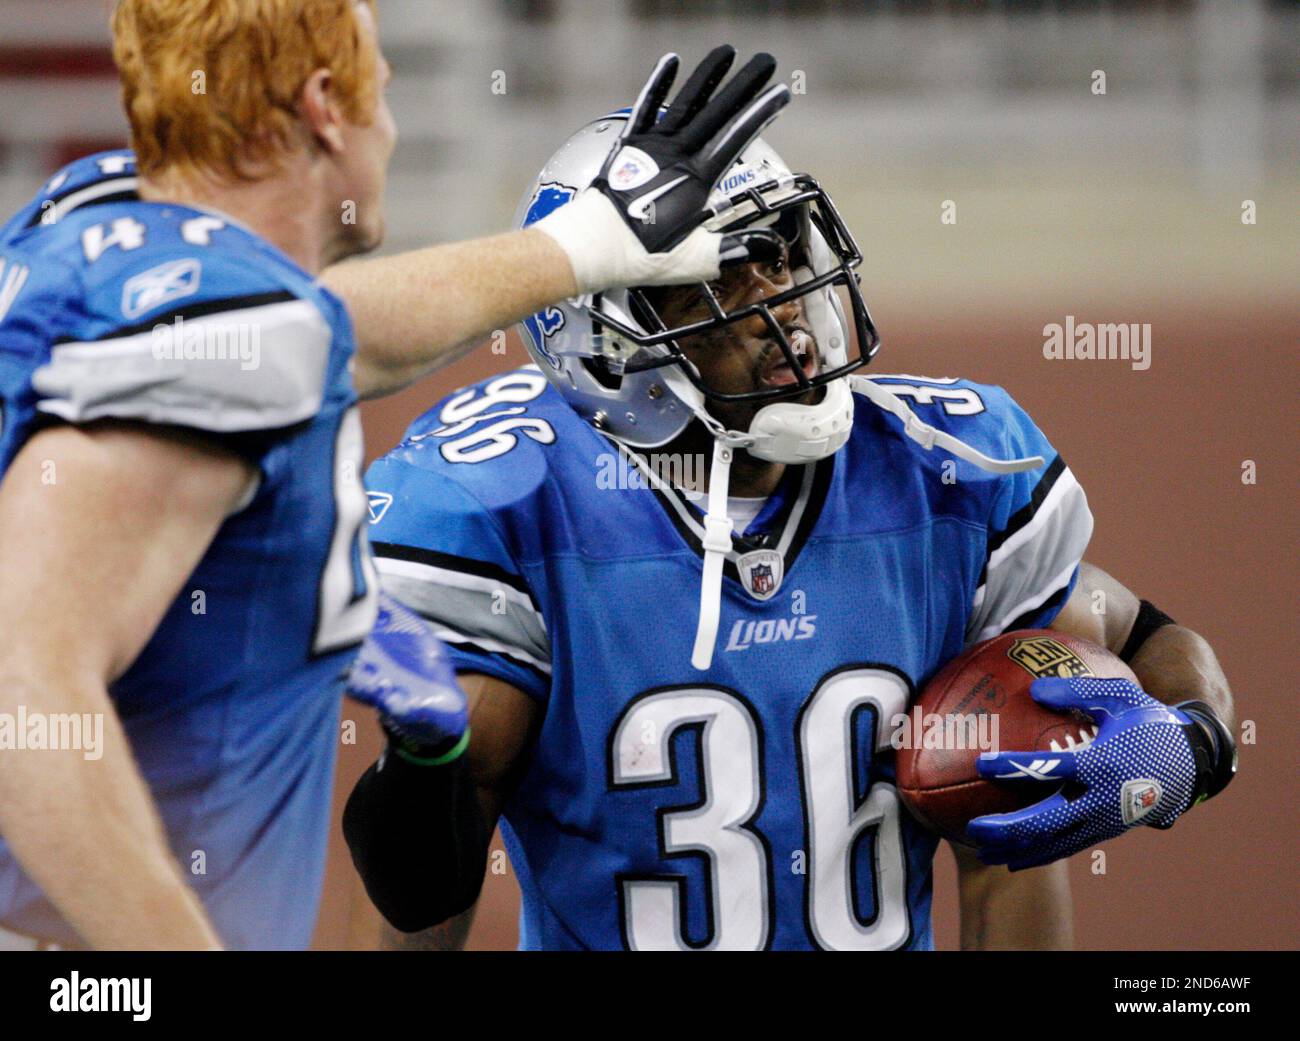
(778, 371)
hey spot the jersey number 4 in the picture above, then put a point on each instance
(720, 826)
(349, 589)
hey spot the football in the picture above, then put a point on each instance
(980, 702)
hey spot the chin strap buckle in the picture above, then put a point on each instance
(920, 432)
(717, 535)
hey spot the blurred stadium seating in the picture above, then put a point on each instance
(905, 103)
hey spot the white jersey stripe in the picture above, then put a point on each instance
(430, 575)
(1058, 582)
(1035, 562)
(55, 212)
(1062, 497)
(255, 368)
(487, 613)
(452, 636)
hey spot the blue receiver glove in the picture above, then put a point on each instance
(403, 671)
(1146, 765)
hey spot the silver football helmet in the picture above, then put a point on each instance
(616, 360)
(618, 363)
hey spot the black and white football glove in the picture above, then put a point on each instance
(639, 223)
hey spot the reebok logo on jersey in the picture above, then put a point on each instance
(745, 635)
(378, 503)
(160, 285)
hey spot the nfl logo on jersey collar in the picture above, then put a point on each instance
(761, 572)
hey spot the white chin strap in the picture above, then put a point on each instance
(717, 544)
(928, 438)
(784, 432)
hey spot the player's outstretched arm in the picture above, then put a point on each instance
(99, 527)
(418, 310)
(1003, 910)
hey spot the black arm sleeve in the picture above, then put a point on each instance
(1149, 619)
(418, 839)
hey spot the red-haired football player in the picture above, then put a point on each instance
(184, 565)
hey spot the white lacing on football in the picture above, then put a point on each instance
(1086, 737)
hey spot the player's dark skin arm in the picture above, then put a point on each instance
(1031, 909)
(1025, 910)
(1002, 910)
(1174, 664)
(503, 721)
(446, 936)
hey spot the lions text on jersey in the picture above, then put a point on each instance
(751, 805)
(114, 308)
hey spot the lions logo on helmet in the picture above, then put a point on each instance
(549, 321)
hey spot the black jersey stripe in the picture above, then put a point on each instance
(67, 191)
(1026, 513)
(37, 218)
(812, 510)
(191, 311)
(450, 562)
(1023, 515)
(471, 647)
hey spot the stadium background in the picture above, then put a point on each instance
(1117, 207)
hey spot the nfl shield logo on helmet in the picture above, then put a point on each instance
(1139, 797)
(761, 573)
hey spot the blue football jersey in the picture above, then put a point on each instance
(752, 805)
(115, 308)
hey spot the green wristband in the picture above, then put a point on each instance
(455, 752)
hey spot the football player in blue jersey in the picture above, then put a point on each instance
(182, 552)
(690, 567)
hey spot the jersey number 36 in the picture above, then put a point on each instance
(721, 825)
